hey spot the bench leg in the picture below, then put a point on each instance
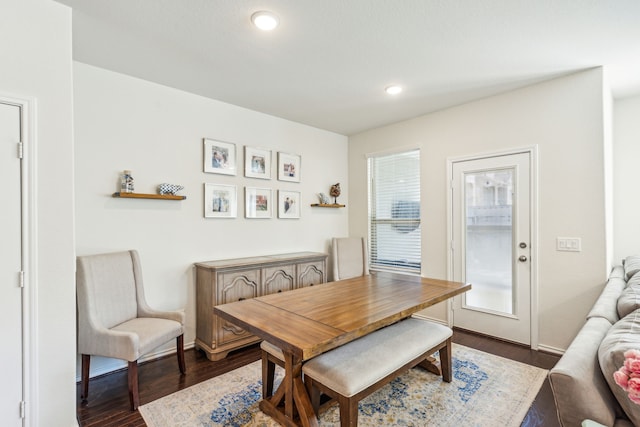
(314, 394)
(445, 361)
(348, 411)
(268, 373)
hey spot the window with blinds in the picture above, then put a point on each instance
(394, 212)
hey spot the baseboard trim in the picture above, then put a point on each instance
(431, 319)
(552, 350)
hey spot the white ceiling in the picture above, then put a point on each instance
(328, 62)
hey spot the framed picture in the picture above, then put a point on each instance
(219, 157)
(220, 201)
(288, 204)
(258, 202)
(288, 167)
(257, 163)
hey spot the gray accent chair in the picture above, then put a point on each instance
(114, 319)
(349, 257)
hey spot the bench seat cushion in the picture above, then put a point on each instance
(359, 364)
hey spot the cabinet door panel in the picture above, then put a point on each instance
(311, 273)
(278, 279)
(235, 286)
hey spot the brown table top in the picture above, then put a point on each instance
(315, 319)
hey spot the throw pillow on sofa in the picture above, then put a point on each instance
(623, 336)
(631, 266)
(629, 299)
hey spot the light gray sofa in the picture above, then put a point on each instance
(582, 380)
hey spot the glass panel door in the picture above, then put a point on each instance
(489, 237)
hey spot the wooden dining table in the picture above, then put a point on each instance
(309, 321)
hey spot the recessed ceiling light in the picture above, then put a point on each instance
(265, 20)
(393, 90)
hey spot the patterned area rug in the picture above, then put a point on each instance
(486, 390)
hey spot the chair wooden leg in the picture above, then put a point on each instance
(445, 362)
(86, 362)
(180, 352)
(132, 371)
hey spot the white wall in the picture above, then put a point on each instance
(564, 117)
(35, 52)
(126, 123)
(626, 154)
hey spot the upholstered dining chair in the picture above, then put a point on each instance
(349, 257)
(114, 319)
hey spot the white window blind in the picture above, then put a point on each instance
(394, 212)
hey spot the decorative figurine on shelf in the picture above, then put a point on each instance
(324, 199)
(335, 192)
(169, 189)
(126, 182)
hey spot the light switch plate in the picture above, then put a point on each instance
(568, 244)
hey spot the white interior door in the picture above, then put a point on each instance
(11, 359)
(491, 239)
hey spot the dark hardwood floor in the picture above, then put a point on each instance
(108, 404)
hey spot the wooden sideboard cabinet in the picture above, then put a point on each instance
(220, 282)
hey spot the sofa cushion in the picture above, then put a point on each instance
(622, 336)
(629, 300)
(631, 266)
(606, 304)
(635, 280)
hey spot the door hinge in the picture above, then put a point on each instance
(23, 409)
(20, 150)
(21, 279)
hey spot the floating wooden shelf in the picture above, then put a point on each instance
(327, 205)
(148, 196)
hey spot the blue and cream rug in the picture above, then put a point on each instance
(486, 390)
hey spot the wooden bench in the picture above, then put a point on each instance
(351, 372)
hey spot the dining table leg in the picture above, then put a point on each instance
(290, 405)
(432, 365)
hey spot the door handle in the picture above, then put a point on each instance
(522, 258)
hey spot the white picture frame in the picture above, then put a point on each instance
(257, 163)
(219, 157)
(220, 201)
(258, 202)
(289, 204)
(289, 167)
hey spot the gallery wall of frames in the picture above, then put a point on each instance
(261, 200)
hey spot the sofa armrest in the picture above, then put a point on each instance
(579, 388)
(606, 305)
